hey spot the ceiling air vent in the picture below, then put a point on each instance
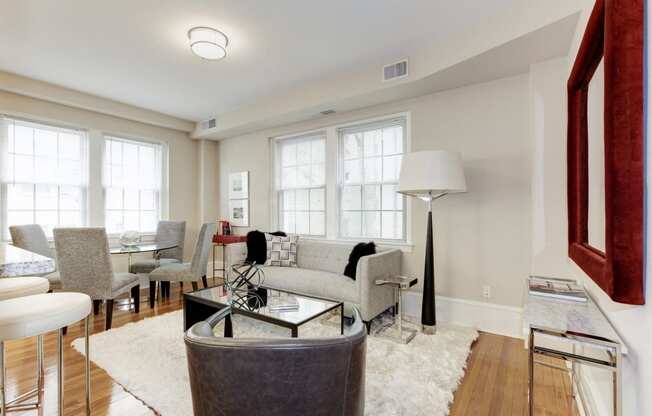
(395, 71)
(208, 124)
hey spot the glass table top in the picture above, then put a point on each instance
(143, 247)
(15, 261)
(271, 303)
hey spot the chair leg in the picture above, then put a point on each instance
(135, 294)
(181, 286)
(165, 290)
(60, 370)
(109, 313)
(204, 281)
(195, 286)
(96, 306)
(152, 293)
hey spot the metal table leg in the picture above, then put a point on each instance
(531, 373)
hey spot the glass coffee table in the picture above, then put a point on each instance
(264, 304)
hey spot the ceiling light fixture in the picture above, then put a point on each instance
(208, 43)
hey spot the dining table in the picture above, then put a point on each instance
(144, 247)
(138, 248)
(16, 262)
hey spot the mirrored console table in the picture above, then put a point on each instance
(578, 333)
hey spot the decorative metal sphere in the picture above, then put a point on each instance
(242, 284)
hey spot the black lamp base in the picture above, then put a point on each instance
(428, 314)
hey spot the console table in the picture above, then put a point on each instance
(566, 330)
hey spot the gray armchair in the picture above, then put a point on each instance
(186, 272)
(85, 266)
(276, 377)
(31, 237)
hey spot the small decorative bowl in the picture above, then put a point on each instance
(130, 238)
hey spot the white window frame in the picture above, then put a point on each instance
(163, 192)
(365, 126)
(332, 181)
(277, 192)
(85, 148)
(94, 206)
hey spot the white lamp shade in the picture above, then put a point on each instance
(432, 171)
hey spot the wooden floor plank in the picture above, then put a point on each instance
(495, 383)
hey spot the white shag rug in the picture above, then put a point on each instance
(148, 359)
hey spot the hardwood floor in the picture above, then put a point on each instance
(495, 383)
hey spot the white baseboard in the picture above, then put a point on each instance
(483, 316)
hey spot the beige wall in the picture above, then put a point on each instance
(483, 236)
(183, 152)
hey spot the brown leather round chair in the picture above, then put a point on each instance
(276, 377)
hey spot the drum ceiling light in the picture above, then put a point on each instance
(208, 43)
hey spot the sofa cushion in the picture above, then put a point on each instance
(311, 282)
(317, 255)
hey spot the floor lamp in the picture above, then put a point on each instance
(430, 175)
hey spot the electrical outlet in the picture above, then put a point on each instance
(486, 292)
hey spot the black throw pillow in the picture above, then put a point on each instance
(360, 249)
(257, 246)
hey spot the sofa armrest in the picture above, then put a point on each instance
(235, 253)
(376, 299)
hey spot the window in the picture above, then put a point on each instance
(301, 184)
(132, 185)
(369, 162)
(43, 175)
(341, 183)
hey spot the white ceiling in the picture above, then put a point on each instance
(136, 52)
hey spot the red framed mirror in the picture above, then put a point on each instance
(613, 36)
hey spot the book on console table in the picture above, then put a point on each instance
(564, 289)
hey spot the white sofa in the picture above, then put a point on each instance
(319, 272)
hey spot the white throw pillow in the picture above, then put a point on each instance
(281, 251)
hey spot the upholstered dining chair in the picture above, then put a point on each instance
(166, 231)
(320, 377)
(31, 237)
(186, 272)
(85, 266)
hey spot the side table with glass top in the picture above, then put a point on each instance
(399, 283)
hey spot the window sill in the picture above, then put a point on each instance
(404, 246)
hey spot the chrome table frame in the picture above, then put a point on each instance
(613, 364)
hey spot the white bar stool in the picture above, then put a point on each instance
(35, 315)
(15, 287)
